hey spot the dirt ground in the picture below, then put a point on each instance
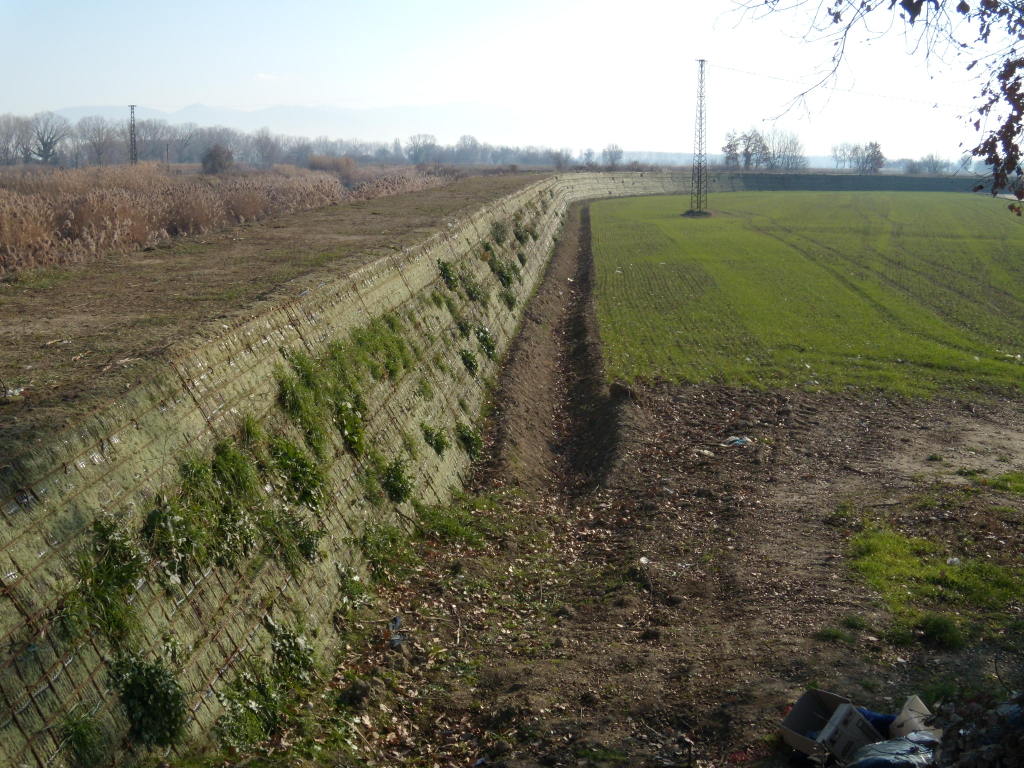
(77, 336)
(661, 597)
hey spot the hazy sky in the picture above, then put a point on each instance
(566, 73)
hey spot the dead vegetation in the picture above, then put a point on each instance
(50, 217)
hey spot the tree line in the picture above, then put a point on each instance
(51, 139)
(773, 150)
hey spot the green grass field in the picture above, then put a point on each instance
(914, 293)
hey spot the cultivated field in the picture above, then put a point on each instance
(912, 293)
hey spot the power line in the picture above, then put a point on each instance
(808, 86)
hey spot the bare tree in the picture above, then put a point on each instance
(267, 147)
(468, 150)
(611, 155)
(841, 154)
(731, 150)
(179, 139)
(421, 148)
(988, 35)
(934, 164)
(12, 136)
(783, 151)
(99, 138)
(869, 158)
(49, 130)
(753, 150)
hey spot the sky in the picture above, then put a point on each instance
(558, 73)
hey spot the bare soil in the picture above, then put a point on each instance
(74, 337)
(660, 596)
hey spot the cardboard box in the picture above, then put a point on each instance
(913, 717)
(823, 723)
(846, 732)
(809, 715)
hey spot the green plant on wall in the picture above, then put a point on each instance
(469, 360)
(506, 270)
(88, 743)
(387, 550)
(488, 343)
(395, 480)
(303, 479)
(178, 537)
(472, 288)
(435, 438)
(470, 440)
(451, 282)
(508, 298)
(107, 571)
(265, 698)
(301, 398)
(152, 698)
(499, 232)
(424, 389)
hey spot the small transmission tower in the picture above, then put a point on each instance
(699, 179)
(133, 150)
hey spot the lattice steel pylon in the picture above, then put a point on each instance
(699, 179)
(133, 151)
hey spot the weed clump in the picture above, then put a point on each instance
(506, 270)
(469, 360)
(487, 341)
(499, 232)
(1011, 482)
(265, 698)
(298, 398)
(303, 479)
(424, 389)
(454, 523)
(941, 631)
(395, 481)
(108, 570)
(178, 536)
(508, 298)
(387, 550)
(470, 440)
(435, 438)
(88, 742)
(451, 282)
(472, 288)
(153, 700)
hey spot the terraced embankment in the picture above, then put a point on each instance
(152, 547)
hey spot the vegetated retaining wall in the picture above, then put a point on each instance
(150, 545)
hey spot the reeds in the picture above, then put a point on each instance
(50, 217)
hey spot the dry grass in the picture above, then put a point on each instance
(61, 216)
